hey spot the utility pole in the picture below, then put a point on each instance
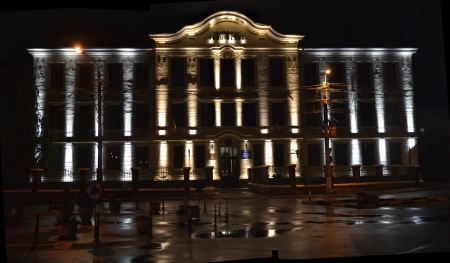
(325, 102)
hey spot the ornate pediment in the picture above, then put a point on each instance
(225, 28)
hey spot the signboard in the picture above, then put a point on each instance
(199, 186)
(246, 154)
(94, 191)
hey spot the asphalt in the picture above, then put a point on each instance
(37, 231)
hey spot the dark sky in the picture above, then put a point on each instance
(325, 23)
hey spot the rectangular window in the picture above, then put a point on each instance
(142, 113)
(228, 116)
(179, 114)
(312, 114)
(85, 117)
(368, 154)
(258, 155)
(142, 76)
(395, 152)
(313, 155)
(207, 114)
(56, 116)
(85, 75)
(84, 155)
(248, 72)
(114, 116)
(199, 156)
(227, 73)
(338, 114)
(364, 73)
(277, 114)
(337, 74)
(141, 159)
(206, 72)
(57, 76)
(276, 72)
(340, 153)
(113, 158)
(249, 114)
(114, 71)
(392, 113)
(390, 75)
(365, 114)
(278, 154)
(178, 156)
(310, 72)
(177, 72)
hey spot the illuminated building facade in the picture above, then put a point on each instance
(230, 93)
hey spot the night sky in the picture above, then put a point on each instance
(325, 23)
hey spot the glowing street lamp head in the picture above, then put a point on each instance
(79, 50)
(327, 71)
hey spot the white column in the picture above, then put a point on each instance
(127, 66)
(406, 79)
(292, 84)
(352, 95)
(378, 85)
(263, 95)
(162, 95)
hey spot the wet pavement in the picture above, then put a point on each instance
(246, 225)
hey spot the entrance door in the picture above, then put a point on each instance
(229, 167)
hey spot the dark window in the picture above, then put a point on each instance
(392, 114)
(249, 114)
(312, 114)
(206, 72)
(56, 114)
(114, 76)
(395, 152)
(199, 156)
(338, 114)
(310, 74)
(276, 72)
(141, 159)
(258, 155)
(364, 80)
(113, 117)
(278, 155)
(57, 76)
(390, 75)
(227, 73)
(313, 155)
(142, 76)
(368, 154)
(228, 116)
(85, 75)
(113, 158)
(142, 116)
(178, 156)
(85, 117)
(365, 114)
(340, 154)
(178, 114)
(177, 72)
(277, 114)
(207, 114)
(336, 75)
(84, 155)
(248, 72)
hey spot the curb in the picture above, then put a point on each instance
(382, 202)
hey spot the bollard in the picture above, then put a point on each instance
(97, 221)
(310, 196)
(50, 206)
(215, 218)
(150, 228)
(163, 208)
(137, 202)
(204, 205)
(275, 254)
(184, 200)
(36, 232)
(219, 204)
(226, 210)
(189, 225)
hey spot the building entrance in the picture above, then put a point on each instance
(229, 166)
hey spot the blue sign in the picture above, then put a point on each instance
(246, 154)
(94, 191)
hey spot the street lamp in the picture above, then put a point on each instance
(99, 108)
(325, 101)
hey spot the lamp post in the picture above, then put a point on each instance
(325, 101)
(99, 118)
